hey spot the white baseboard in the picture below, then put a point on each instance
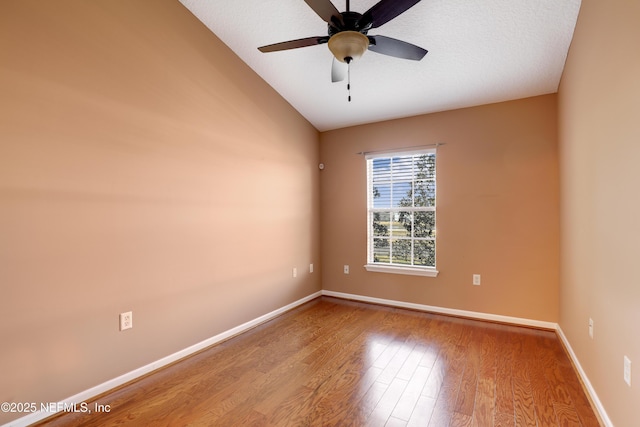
(585, 380)
(87, 395)
(449, 311)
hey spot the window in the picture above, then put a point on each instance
(401, 209)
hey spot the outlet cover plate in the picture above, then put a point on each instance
(627, 371)
(126, 320)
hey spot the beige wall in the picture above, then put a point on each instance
(497, 209)
(599, 120)
(143, 167)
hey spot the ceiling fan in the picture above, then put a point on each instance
(347, 34)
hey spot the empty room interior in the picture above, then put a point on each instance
(159, 195)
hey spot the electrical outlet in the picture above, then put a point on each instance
(310, 268)
(476, 279)
(126, 320)
(591, 328)
(346, 269)
(627, 371)
(295, 272)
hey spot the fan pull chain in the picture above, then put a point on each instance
(349, 79)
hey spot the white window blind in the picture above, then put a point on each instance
(401, 195)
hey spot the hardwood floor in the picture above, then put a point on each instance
(332, 362)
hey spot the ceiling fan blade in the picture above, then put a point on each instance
(325, 10)
(294, 44)
(384, 11)
(339, 71)
(397, 48)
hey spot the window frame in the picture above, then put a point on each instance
(407, 269)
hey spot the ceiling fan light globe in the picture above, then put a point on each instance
(348, 44)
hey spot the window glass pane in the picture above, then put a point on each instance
(425, 193)
(401, 194)
(424, 253)
(404, 224)
(381, 196)
(400, 224)
(401, 251)
(381, 250)
(381, 170)
(381, 223)
(402, 168)
(425, 166)
(424, 224)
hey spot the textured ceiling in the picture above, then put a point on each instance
(480, 52)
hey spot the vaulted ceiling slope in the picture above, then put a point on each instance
(480, 52)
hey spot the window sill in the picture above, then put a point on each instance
(394, 269)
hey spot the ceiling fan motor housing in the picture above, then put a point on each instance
(350, 21)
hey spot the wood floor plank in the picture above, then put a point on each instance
(503, 419)
(460, 420)
(400, 354)
(580, 401)
(435, 381)
(338, 406)
(567, 416)
(293, 410)
(484, 411)
(411, 394)
(412, 363)
(422, 412)
(341, 383)
(542, 398)
(522, 395)
(446, 401)
(250, 418)
(387, 403)
(361, 412)
(333, 362)
(395, 422)
(469, 384)
(523, 400)
(504, 382)
(353, 353)
(235, 396)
